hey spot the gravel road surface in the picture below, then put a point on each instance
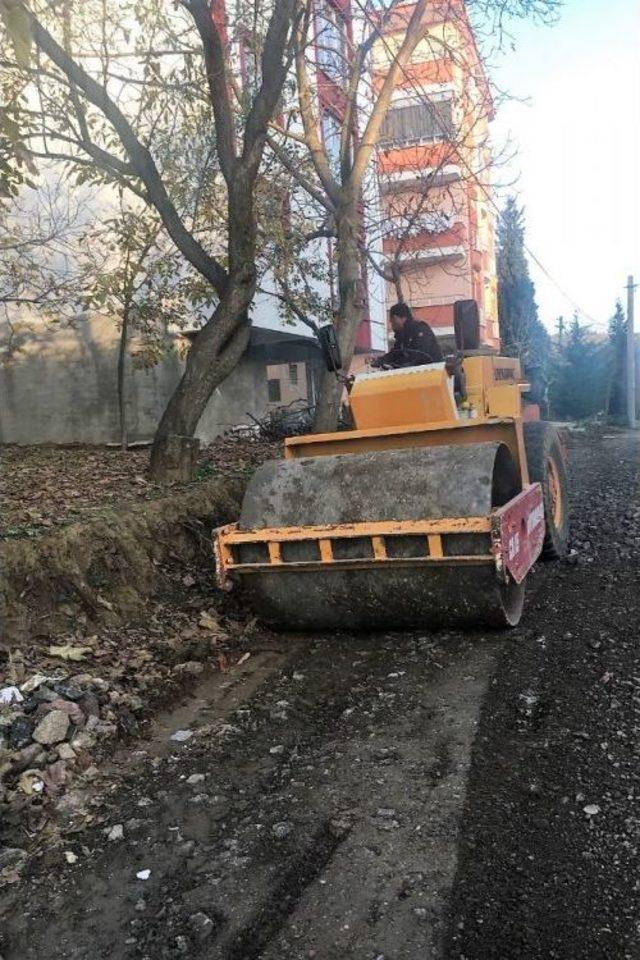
(391, 797)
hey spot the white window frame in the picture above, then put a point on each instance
(331, 41)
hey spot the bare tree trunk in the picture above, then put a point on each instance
(122, 363)
(217, 348)
(351, 292)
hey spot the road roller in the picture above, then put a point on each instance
(429, 512)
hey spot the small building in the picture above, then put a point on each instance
(287, 384)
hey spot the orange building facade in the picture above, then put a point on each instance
(433, 166)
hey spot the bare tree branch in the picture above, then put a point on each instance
(215, 59)
(277, 54)
(415, 31)
(310, 119)
(140, 157)
(304, 182)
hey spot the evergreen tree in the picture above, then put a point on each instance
(522, 333)
(578, 388)
(616, 392)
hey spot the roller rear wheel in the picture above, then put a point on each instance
(510, 604)
(547, 467)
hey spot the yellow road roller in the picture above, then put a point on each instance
(430, 512)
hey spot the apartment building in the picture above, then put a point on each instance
(332, 47)
(433, 166)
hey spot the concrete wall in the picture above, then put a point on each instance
(243, 393)
(60, 387)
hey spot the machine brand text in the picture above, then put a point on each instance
(504, 373)
(514, 546)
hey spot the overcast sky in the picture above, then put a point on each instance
(578, 143)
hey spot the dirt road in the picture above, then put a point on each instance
(386, 798)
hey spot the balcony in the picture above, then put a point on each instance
(418, 180)
(412, 260)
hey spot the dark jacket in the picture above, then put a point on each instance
(416, 344)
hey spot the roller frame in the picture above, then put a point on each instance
(517, 532)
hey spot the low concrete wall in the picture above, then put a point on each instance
(60, 387)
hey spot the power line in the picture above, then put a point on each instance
(576, 307)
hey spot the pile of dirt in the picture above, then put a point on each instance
(103, 571)
(44, 488)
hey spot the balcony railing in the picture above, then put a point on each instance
(415, 180)
(430, 256)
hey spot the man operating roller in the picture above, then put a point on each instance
(414, 343)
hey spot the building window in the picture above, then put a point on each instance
(293, 374)
(331, 42)
(273, 391)
(331, 131)
(410, 122)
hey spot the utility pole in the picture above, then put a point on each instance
(631, 355)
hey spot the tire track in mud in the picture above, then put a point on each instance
(359, 745)
(272, 914)
(539, 877)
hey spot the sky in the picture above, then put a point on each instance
(577, 166)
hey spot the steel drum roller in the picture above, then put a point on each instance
(419, 483)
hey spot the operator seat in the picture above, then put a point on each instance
(466, 328)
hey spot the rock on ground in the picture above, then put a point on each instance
(52, 728)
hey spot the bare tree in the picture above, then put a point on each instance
(106, 81)
(40, 270)
(342, 182)
(137, 276)
(339, 180)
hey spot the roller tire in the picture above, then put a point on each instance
(547, 467)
